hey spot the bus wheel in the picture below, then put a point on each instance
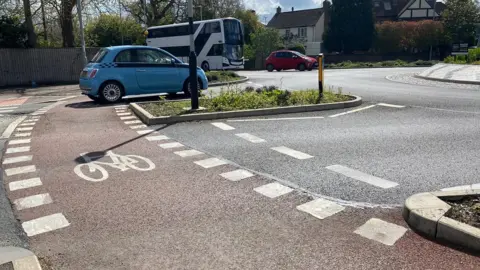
(205, 66)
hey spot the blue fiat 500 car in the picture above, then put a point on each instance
(134, 71)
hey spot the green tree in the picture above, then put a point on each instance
(250, 23)
(264, 41)
(459, 18)
(351, 26)
(13, 33)
(108, 30)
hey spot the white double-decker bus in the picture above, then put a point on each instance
(218, 43)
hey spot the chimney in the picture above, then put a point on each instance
(293, 9)
(279, 10)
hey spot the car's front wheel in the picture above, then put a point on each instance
(187, 88)
(301, 67)
(111, 92)
(94, 98)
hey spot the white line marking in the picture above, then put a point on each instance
(27, 183)
(277, 119)
(273, 190)
(8, 107)
(25, 129)
(45, 224)
(467, 187)
(20, 141)
(188, 153)
(223, 126)
(146, 131)
(123, 114)
(157, 138)
(11, 128)
(128, 117)
(321, 208)
(353, 111)
(381, 231)
(27, 134)
(170, 145)
(290, 152)
(210, 162)
(28, 124)
(138, 126)
(120, 106)
(237, 175)
(361, 176)
(6, 111)
(33, 201)
(250, 138)
(133, 122)
(17, 149)
(65, 98)
(35, 117)
(20, 170)
(17, 159)
(391, 105)
(31, 120)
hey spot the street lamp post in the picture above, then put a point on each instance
(433, 19)
(82, 38)
(192, 59)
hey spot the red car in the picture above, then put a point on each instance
(286, 59)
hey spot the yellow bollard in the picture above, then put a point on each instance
(321, 66)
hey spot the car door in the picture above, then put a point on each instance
(290, 61)
(280, 60)
(156, 71)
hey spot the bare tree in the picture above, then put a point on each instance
(32, 37)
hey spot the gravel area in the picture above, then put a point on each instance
(409, 78)
(466, 210)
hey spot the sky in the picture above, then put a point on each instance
(266, 8)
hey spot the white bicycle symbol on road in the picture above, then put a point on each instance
(123, 163)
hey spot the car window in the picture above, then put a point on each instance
(99, 56)
(288, 55)
(153, 57)
(280, 55)
(124, 56)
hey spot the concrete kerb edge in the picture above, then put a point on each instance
(149, 119)
(445, 80)
(245, 79)
(425, 213)
(19, 258)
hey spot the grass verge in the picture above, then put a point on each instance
(250, 98)
(222, 76)
(396, 63)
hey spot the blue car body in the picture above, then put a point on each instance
(138, 70)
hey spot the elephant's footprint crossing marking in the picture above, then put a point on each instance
(93, 170)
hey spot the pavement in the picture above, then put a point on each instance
(468, 74)
(316, 190)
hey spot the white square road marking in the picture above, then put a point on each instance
(381, 231)
(33, 201)
(237, 175)
(128, 117)
(20, 141)
(210, 162)
(250, 138)
(27, 134)
(27, 183)
(188, 153)
(17, 159)
(223, 126)
(157, 138)
(25, 129)
(45, 224)
(170, 145)
(273, 190)
(133, 122)
(321, 208)
(17, 149)
(146, 131)
(138, 126)
(290, 152)
(361, 176)
(123, 114)
(20, 170)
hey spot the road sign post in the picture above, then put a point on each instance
(192, 61)
(321, 66)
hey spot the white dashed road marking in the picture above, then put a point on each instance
(123, 114)
(128, 117)
(223, 126)
(381, 231)
(188, 153)
(146, 131)
(17, 159)
(27, 134)
(321, 208)
(293, 153)
(33, 201)
(20, 170)
(273, 190)
(157, 138)
(138, 126)
(361, 176)
(31, 120)
(17, 149)
(133, 122)
(210, 162)
(170, 145)
(250, 138)
(45, 224)
(25, 129)
(28, 124)
(11, 128)
(276, 119)
(5, 111)
(391, 105)
(20, 141)
(353, 111)
(27, 183)
(237, 175)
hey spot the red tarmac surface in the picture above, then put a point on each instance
(182, 216)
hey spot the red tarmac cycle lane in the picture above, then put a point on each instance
(179, 215)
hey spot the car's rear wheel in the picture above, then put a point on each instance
(111, 92)
(270, 67)
(301, 67)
